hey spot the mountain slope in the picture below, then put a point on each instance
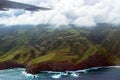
(78, 47)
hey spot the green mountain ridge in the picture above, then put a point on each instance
(35, 44)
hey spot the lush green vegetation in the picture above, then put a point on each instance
(35, 44)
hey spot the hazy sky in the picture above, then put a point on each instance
(79, 12)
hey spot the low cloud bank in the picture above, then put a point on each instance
(78, 12)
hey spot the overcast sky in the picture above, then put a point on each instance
(78, 12)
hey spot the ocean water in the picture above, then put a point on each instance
(96, 73)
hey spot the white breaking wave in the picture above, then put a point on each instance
(53, 72)
(94, 68)
(12, 70)
(74, 74)
(29, 75)
(56, 76)
(113, 67)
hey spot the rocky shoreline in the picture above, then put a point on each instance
(10, 64)
(93, 61)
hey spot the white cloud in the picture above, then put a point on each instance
(59, 19)
(79, 12)
(84, 21)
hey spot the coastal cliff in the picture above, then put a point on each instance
(42, 48)
(10, 64)
(67, 66)
(60, 65)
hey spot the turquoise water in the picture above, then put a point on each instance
(98, 73)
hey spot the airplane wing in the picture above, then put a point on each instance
(6, 5)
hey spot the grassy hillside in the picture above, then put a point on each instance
(34, 44)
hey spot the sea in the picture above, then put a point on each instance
(95, 73)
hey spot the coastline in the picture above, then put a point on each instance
(76, 71)
(59, 66)
(61, 75)
(56, 71)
